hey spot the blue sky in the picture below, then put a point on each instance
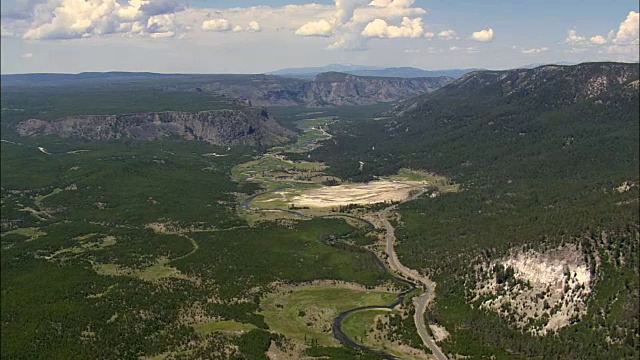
(249, 36)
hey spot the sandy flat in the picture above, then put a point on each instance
(370, 193)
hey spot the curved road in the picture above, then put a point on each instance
(423, 300)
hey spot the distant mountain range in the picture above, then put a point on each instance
(401, 72)
(531, 66)
(324, 89)
(308, 73)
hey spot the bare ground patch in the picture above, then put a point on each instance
(439, 332)
(539, 292)
(362, 194)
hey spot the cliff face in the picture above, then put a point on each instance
(544, 87)
(249, 126)
(337, 89)
(328, 89)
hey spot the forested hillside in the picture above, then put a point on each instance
(545, 157)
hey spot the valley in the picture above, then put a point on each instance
(145, 219)
(335, 201)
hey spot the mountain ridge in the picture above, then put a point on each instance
(327, 89)
(246, 126)
(544, 86)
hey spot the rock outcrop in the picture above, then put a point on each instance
(328, 89)
(248, 126)
(544, 87)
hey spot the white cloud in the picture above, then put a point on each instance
(448, 35)
(623, 50)
(628, 30)
(254, 26)
(534, 50)
(386, 10)
(483, 35)
(222, 25)
(574, 38)
(354, 21)
(349, 41)
(598, 40)
(624, 41)
(577, 50)
(409, 28)
(429, 35)
(5, 32)
(162, 35)
(339, 44)
(160, 25)
(216, 25)
(468, 50)
(316, 28)
(68, 19)
(26, 55)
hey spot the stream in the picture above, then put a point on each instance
(336, 327)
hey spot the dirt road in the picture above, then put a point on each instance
(423, 300)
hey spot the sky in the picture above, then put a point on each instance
(255, 36)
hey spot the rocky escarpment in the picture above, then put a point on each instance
(250, 126)
(337, 89)
(544, 87)
(328, 89)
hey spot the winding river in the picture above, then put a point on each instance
(336, 328)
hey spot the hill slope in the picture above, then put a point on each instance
(249, 126)
(328, 89)
(309, 73)
(547, 160)
(323, 90)
(411, 72)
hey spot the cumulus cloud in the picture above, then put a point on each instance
(623, 50)
(483, 35)
(628, 30)
(429, 35)
(355, 21)
(221, 25)
(68, 19)
(448, 35)
(409, 28)
(388, 10)
(349, 41)
(598, 40)
(160, 26)
(216, 25)
(316, 28)
(159, 7)
(534, 50)
(623, 41)
(254, 26)
(574, 38)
